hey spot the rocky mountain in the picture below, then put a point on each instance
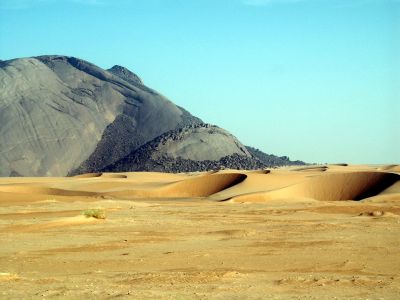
(61, 115)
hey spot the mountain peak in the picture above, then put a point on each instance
(125, 74)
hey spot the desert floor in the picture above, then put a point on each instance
(291, 233)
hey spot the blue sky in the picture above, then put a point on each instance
(317, 80)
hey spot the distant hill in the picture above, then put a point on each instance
(197, 147)
(270, 160)
(62, 115)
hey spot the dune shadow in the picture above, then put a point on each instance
(203, 186)
(355, 186)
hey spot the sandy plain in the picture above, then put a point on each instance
(320, 232)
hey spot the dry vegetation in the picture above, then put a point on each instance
(94, 213)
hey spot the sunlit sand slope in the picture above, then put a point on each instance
(331, 187)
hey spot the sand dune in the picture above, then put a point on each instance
(172, 236)
(198, 186)
(311, 169)
(253, 186)
(203, 186)
(113, 175)
(391, 168)
(31, 189)
(88, 175)
(347, 186)
(331, 187)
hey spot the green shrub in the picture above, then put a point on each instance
(94, 213)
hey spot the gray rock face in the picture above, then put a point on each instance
(60, 114)
(126, 75)
(200, 142)
(197, 147)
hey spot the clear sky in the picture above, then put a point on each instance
(316, 80)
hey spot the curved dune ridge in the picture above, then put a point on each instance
(391, 168)
(260, 172)
(104, 175)
(203, 186)
(330, 187)
(199, 186)
(32, 189)
(88, 175)
(251, 186)
(311, 169)
(113, 175)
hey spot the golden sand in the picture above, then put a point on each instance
(314, 232)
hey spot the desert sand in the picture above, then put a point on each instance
(316, 232)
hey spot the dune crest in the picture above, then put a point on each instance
(330, 187)
(31, 189)
(114, 175)
(391, 168)
(311, 169)
(205, 185)
(88, 175)
(198, 186)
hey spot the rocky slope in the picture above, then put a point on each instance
(61, 113)
(271, 160)
(62, 116)
(197, 147)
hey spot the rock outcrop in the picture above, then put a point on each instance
(271, 160)
(197, 147)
